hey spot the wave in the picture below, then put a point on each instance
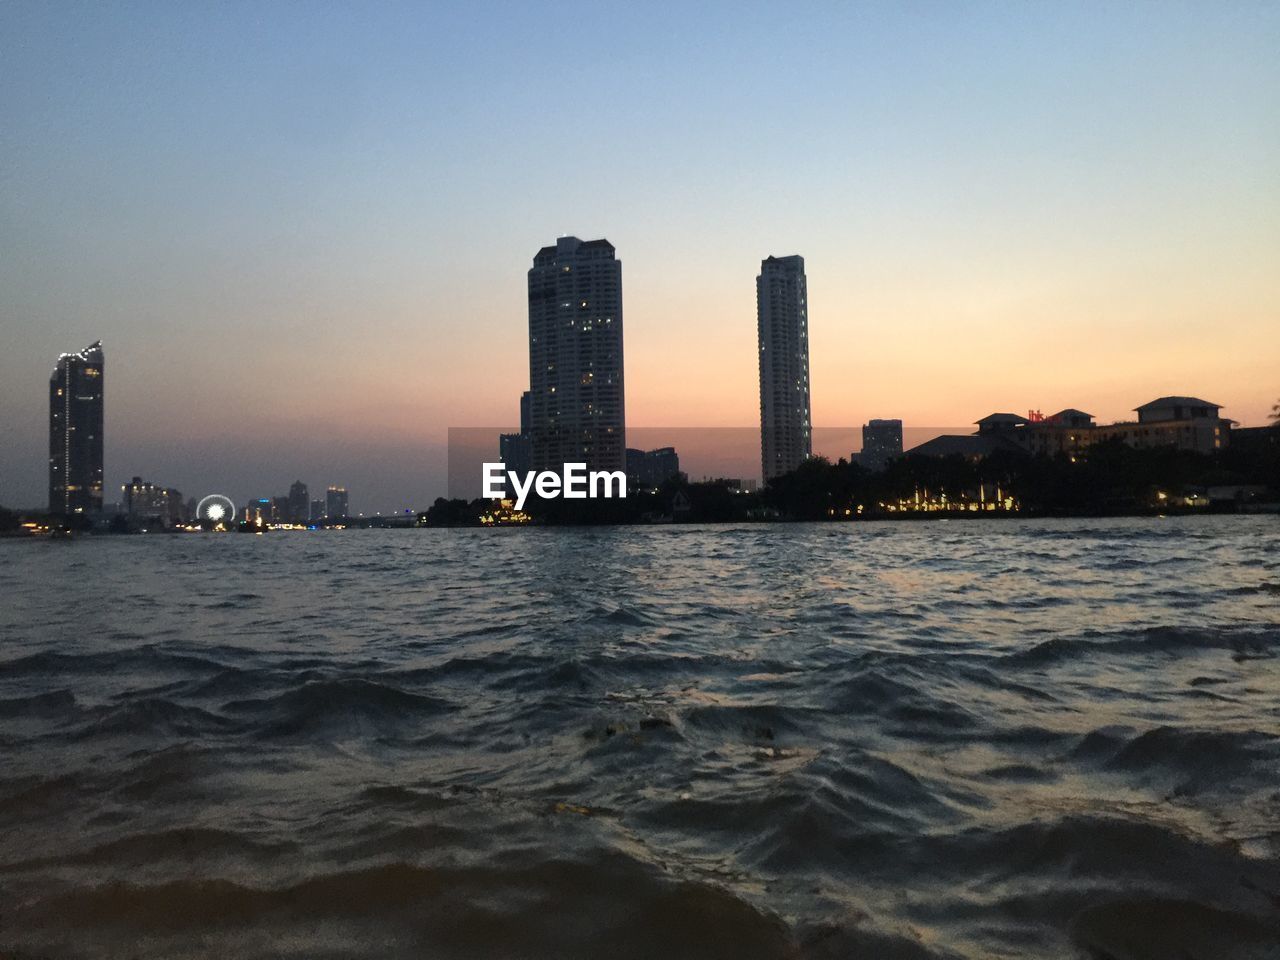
(179, 846)
(609, 905)
(342, 705)
(154, 717)
(51, 705)
(1243, 642)
(1191, 760)
(147, 657)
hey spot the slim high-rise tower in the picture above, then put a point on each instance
(75, 432)
(782, 319)
(576, 410)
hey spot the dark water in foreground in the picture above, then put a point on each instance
(1010, 739)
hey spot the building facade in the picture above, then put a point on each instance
(146, 502)
(782, 325)
(1067, 432)
(650, 469)
(335, 503)
(1181, 422)
(881, 442)
(1184, 423)
(259, 512)
(299, 502)
(75, 432)
(576, 404)
(515, 450)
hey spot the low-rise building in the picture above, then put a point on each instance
(1068, 432)
(881, 442)
(1185, 423)
(335, 503)
(146, 502)
(650, 469)
(260, 512)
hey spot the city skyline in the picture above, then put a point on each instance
(1174, 422)
(781, 279)
(978, 192)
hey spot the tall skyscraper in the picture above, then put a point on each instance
(75, 432)
(881, 442)
(782, 322)
(576, 409)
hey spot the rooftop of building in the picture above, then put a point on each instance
(966, 445)
(793, 260)
(1177, 402)
(90, 353)
(1003, 419)
(572, 245)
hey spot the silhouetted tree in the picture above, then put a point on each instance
(453, 513)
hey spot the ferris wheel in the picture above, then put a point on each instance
(216, 509)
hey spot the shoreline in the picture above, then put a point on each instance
(1260, 510)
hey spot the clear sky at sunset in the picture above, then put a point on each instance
(302, 230)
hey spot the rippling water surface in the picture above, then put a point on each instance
(1010, 739)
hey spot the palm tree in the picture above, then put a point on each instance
(1275, 413)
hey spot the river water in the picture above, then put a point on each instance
(938, 739)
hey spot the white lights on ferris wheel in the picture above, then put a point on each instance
(215, 509)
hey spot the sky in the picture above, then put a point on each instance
(302, 230)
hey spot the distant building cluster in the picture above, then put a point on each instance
(297, 508)
(76, 455)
